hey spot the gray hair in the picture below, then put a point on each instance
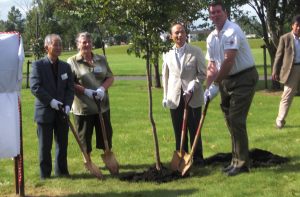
(83, 34)
(49, 38)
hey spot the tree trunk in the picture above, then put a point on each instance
(267, 16)
(158, 163)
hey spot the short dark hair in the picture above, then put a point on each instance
(217, 2)
(177, 23)
(296, 19)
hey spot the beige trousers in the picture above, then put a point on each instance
(289, 91)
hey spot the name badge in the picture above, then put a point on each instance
(97, 69)
(64, 76)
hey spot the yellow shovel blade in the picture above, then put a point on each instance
(185, 164)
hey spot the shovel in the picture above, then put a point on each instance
(90, 166)
(177, 155)
(187, 161)
(108, 157)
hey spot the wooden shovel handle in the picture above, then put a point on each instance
(104, 134)
(199, 127)
(67, 118)
(187, 98)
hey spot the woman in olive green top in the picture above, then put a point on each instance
(92, 76)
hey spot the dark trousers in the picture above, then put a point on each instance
(236, 97)
(45, 133)
(85, 125)
(194, 115)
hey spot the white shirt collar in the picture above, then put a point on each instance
(215, 32)
(180, 50)
(295, 37)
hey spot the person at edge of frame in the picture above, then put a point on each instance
(286, 69)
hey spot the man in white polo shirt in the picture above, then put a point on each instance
(231, 70)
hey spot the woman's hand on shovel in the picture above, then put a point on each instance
(100, 93)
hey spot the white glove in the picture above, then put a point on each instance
(89, 93)
(211, 92)
(164, 103)
(67, 109)
(55, 104)
(100, 93)
(191, 87)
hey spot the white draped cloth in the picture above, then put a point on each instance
(11, 61)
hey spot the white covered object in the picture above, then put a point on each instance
(9, 125)
(11, 61)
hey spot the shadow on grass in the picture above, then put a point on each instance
(290, 167)
(289, 126)
(157, 192)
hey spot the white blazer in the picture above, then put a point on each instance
(176, 77)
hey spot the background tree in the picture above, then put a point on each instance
(95, 16)
(14, 22)
(250, 25)
(2, 25)
(275, 17)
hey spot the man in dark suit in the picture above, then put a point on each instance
(51, 82)
(286, 68)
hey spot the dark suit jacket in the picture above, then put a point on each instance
(284, 58)
(44, 88)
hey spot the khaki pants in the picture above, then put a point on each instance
(236, 97)
(289, 91)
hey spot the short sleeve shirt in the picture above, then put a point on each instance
(230, 37)
(89, 76)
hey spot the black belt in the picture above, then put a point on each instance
(242, 72)
(297, 64)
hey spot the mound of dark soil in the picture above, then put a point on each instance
(258, 157)
(152, 175)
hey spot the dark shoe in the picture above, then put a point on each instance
(280, 124)
(227, 168)
(44, 177)
(199, 162)
(235, 170)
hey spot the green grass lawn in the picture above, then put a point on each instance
(134, 149)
